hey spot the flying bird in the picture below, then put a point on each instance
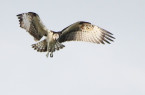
(78, 31)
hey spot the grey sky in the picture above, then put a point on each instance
(80, 68)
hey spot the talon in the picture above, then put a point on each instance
(51, 54)
(47, 54)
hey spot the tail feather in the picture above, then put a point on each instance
(57, 46)
(40, 46)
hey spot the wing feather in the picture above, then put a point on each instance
(31, 23)
(85, 31)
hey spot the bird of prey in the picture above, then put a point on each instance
(78, 31)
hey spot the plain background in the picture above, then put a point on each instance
(80, 68)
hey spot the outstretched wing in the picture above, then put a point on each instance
(85, 31)
(31, 23)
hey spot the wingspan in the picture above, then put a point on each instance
(31, 23)
(85, 31)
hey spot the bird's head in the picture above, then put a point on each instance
(55, 36)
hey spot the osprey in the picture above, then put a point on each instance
(79, 31)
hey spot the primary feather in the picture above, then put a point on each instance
(85, 31)
(31, 23)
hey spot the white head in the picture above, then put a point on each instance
(55, 36)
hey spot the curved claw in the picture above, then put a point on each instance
(51, 54)
(47, 54)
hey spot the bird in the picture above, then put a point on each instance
(78, 31)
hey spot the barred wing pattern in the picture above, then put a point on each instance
(31, 23)
(79, 31)
(85, 31)
(40, 46)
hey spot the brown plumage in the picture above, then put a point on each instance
(85, 31)
(32, 23)
(79, 31)
(40, 46)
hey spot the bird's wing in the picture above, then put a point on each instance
(31, 23)
(85, 31)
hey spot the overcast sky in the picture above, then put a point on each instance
(80, 68)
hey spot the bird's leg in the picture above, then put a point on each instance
(47, 54)
(51, 54)
(47, 50)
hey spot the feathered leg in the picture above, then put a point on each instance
(47, 54)
(47, 50)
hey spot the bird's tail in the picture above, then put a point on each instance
(42, 47)
(58, 46)
(52, 49)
